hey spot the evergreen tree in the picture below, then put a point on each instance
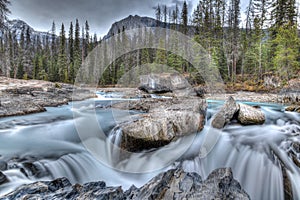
(158, 13)
(71, 53)
(20, 71)
(286, 60)
(283, 12)
(165, 14)
(53, 71)
(87, 38)
(184, 18)
(77, 51)
(62, 57)
(95, 40)
(232, 38)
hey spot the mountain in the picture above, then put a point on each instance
(132, 22)
(17, 26)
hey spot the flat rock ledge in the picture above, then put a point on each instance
(20, 97)
(163, 121)
(173, 184)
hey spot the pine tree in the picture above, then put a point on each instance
(95, 40)
(232, 40)
(11, 55)
(20, 71)
(62, 57)
(184, 18)
(71, 53)
(165, 14)
(53, 71)
(158, 13)
(77, 51)
(198, 18)
(87, 38)
(83, 43)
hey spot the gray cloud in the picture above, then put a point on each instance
(100, 13)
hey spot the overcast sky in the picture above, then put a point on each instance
(100, 13)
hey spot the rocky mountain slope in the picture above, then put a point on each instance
(133, 22)
(16, 27)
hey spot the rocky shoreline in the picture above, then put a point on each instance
(173, 184)
(21, 97)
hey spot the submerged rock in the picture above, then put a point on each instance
(248, 115)
(225, 114)
(166, 121)
(293, 108)
(3, 165)
(173, 184)
(3, 178)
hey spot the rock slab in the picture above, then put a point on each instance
(21, 97)
(165, 121)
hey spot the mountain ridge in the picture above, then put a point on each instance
(136, 21)
(16, 26)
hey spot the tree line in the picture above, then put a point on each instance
(50, 58)
(266, 42)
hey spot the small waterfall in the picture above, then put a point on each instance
(256, 154)
(115, 136)
(152, 84)
(113, 143)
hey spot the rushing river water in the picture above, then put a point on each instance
(49, 142)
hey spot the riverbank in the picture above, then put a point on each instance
(20, 97)
(238, 95)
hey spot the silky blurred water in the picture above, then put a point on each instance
(51, 138)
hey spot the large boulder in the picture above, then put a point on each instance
(225, 114)
(166, 82)
(249, 115)
(165, 121)
(158, 129)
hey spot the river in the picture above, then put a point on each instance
(47, 145)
